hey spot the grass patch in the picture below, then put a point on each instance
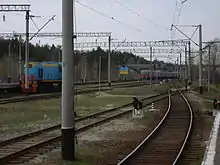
(199, 157)
(209, 94)
(216, 86)
(116, 132)
(140, 91)
(205, 105)
(55, 159)
(22, 116)
(27, 116)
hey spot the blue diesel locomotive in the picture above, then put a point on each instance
(43, 77)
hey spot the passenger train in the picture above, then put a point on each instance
(158, 75)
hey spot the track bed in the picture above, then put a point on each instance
(166, 143)
(18, 150)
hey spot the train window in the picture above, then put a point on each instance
(49, 76)
(60, 68)
(40, 72)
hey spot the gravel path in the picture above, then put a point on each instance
(102, 144)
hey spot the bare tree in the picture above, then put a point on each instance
(214, 60)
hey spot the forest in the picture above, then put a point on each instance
(83, 60)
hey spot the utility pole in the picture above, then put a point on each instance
(186, 64)
(200, 49)
(177, 68)
(200, 59)
(100, 65)
(151, 52)
(180, 67)
(209, 69)
(186, 68)
(85, 68)
(59, 54)
(21, 8)
(19, 58)
(109, 61)
(190, 63)
(27, 53)
(9, 61)
(67, 112)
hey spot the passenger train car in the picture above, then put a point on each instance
(43, 77)
(158, 75)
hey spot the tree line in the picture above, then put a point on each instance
(214, 60)
(53, 53)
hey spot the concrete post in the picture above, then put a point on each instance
(67, 112)
(109, 61)
(200, 59)
(27, 53)
(190, 64)
(209, 69)
(19, 59)
(151, 52)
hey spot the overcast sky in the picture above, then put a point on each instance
(134, 27)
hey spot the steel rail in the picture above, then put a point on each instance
(188, 132)
(22, 137)
(148, 137)
(177, 158)
(36, 146)
(54, 95)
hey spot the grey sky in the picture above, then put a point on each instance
(205, 12)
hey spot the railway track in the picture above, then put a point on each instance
(77, 91)
(85, 85)
(23, 148)
(166, 143)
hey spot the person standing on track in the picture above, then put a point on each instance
(135, 105)
(138, 106)
(216, 107)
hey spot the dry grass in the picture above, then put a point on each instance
(103, 142)
(23, 117)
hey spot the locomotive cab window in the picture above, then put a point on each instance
(40, 72)
(60, 68)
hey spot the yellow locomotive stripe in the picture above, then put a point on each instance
(50, 80)
(50, 65)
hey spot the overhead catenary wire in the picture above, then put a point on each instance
(34, 23)
(177, 11)
(139, 15)
(194, 32)
(110, 17)
(75, 20)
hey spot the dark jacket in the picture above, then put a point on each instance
(216, 105)
(140, 105)
(135, 103)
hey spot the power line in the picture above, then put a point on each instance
(34, 23)
(75, 20)
(178, 11)
(183, 1)
(107, 16)
(138, 15)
